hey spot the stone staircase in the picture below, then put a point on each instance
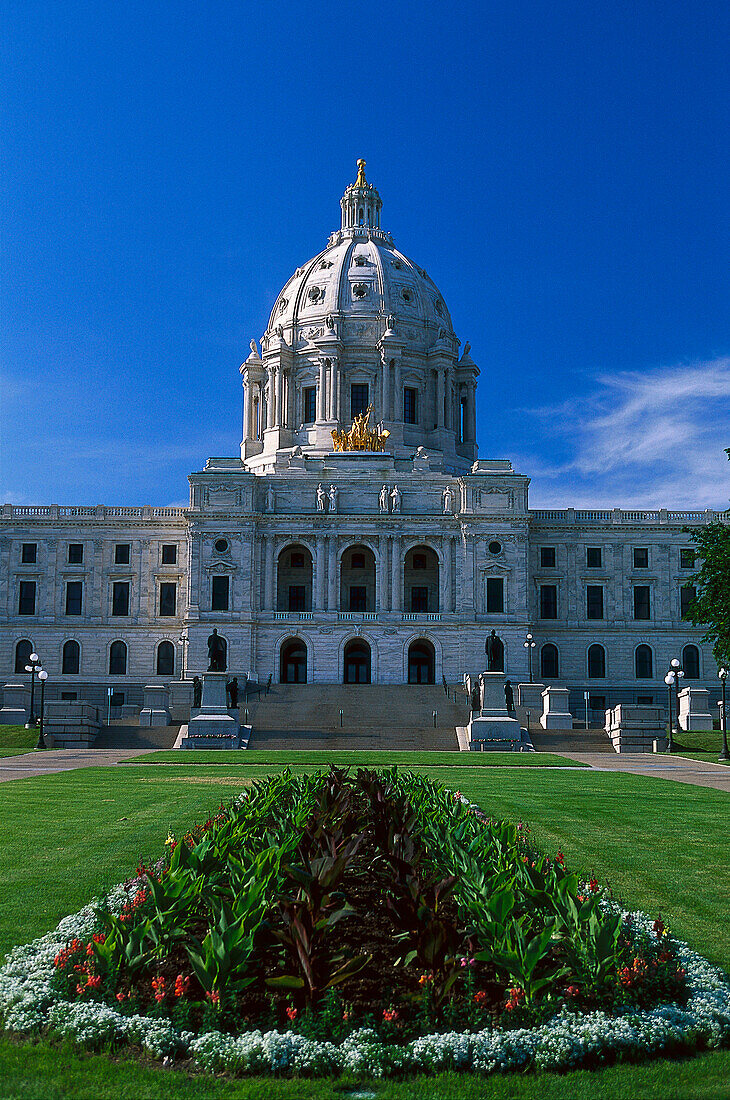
(375, 716)
(121, 736)
(562, 741)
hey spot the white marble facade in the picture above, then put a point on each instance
(333, 565)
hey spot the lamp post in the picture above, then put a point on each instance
(42, 676)
(32, 668)
(678, 677)
(529, 644)
(723, 717)
(183, 641)
(673, 679)
(669, 680)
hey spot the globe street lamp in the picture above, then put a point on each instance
(723, 716)
(669, 680)
(678, 677)
(529, 644)
(42, 676)
(32, 668)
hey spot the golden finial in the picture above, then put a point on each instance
(361, 181)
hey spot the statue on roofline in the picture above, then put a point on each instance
(360, 436)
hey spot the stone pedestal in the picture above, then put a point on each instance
(635, 728)
(15, 705)
(155, 710)
(213, 722)
(181, 700)
(70, 724)
(555, 714)
(529, 697)
(491, 726)
(694, 710)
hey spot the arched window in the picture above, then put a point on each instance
(117, 659)
(293, 662)
(421, 662)
(165, 659)
(643, 662)
(357, 662)
(549, 665)
(23, 650)
(71, 658)
(691, 662)
(596, 662)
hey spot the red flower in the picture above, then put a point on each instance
(99, 937)
(659, 926)
(560, 858)
(120, 996)
(593, 886)
(158, 988)
(93, 982)
(481, 997)
(572, 991)
(214, 997)
(292, 1012)
(182, 984)
(390, 1015)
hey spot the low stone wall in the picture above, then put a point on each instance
(71, 725)
(635, 728)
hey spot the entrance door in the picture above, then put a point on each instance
(421, 663)
(293, 663)
(357, 663)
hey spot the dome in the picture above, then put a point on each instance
(361, 285)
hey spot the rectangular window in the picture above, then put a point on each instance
(116, 699)
(594, 601)
(121, 553)
(495, 595)
(419, 598)
(547, 557)
(310, 404)
(168, 598)
(644, 700)
(76, 553)
(296, 597)
(74, 596)
(642, 601)
(548, 601)
(641, 557)
(219, 599)
(26, 599)
(410, 405)
(358, 398)
(593, 557)
(120, 598)
(29, 553)
(358, 597)
(69, 696)
(169, 553)
(687, 596)
(597, 702)
(687, 559)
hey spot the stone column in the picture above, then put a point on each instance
(273, 403)
(246, 411)
(445, 603)
(396, 574)
(383, 574)
(472, 413)
(319, 574)
(269, 573)
(334, 370)
(280, 406)
(439, 398)
(398, 395)
(332, 573)
(321, 405)
(385, 381)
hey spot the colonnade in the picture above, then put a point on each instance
(390, 553)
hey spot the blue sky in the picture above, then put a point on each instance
(560, 170)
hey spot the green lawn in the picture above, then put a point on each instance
(702, 745)
(15, 740)
(359, 758)
(660, 844)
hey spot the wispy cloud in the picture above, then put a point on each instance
(645, 439)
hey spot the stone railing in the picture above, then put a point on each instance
(100, 511)
(622, 515)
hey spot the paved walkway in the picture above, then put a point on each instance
(681, 769)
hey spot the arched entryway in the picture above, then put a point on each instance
(294, 579)
(421, 580)
(357, 662)
(357, 579)
(293, 662)
(421, 662)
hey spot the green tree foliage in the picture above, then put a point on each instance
(711, 608)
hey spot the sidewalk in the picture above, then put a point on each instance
(62, 760)
(680, 768)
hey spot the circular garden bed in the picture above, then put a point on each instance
(368, 923)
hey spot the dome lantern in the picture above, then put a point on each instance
(361, 203)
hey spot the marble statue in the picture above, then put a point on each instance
(383, 499)
(395, 497)
(333, 495)
(270, 500)
(447, 498)
(321, 497)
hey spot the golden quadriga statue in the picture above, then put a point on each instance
(360, 437)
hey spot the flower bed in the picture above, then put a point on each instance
(373, 924)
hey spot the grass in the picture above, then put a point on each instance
(15, 740)
(67, 836)
(700, 745)
(360, 758)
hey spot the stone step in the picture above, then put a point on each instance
(592, 740)
(135, 737)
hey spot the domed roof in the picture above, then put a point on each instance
(361, 276)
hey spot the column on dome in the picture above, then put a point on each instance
(440, 393)
(333, 387)
(321, 394)
(385, 386)
(398, 395)
(280, 405)
(472, 412)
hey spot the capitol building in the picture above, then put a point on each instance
(358, 537)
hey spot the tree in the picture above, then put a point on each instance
(711, 608)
